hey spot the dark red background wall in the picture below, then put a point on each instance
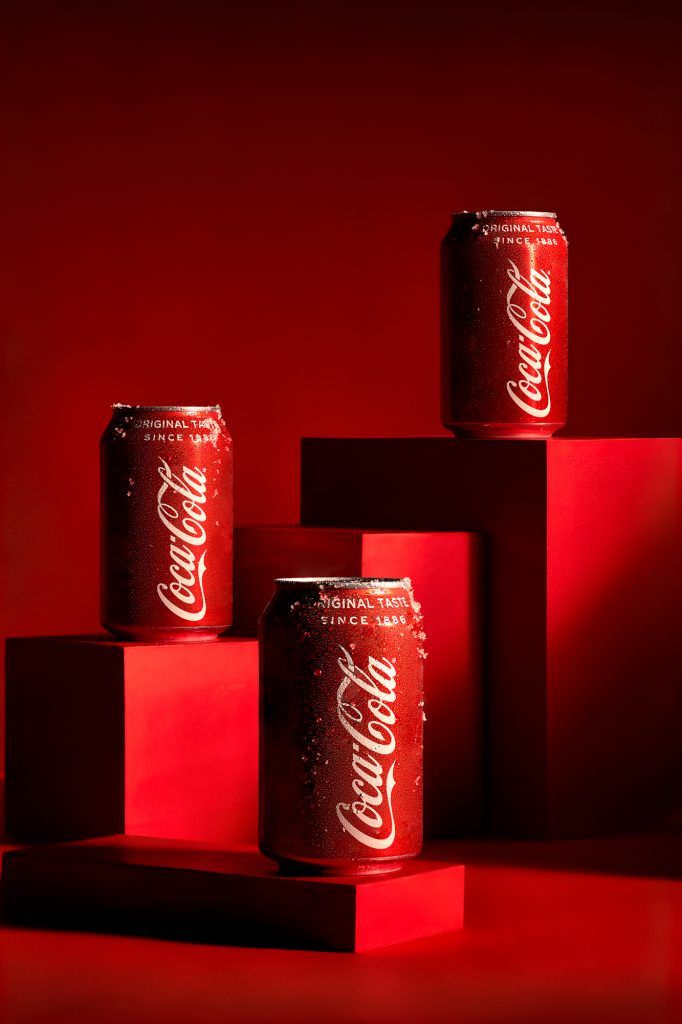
(244, 206)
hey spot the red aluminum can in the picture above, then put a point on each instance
(504, 325)
(166, 523)
(341, 721)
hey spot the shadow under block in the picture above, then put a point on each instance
(583, 589)
(445, 570)
(106, 736)
(188, 891)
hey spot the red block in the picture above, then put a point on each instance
(239, 898)
(445, 570)
(583, 584)
(106, 736)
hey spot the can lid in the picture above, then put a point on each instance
(167, 408)
(343, 582)
(504, 213)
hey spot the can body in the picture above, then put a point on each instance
(341, 723)
(504, 325)
(166, 523)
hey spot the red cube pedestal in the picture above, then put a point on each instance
(240, 898)
(105, 736)
(445, 569)
(583, 586)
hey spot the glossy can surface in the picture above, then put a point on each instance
(341, 722)
(504, 325)
(166, 523)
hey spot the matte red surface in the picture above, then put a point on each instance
(243, 204)
(148, 739)
(545, 939)
(445, 569)
(614, 643)
(583, 577)
(132, 883)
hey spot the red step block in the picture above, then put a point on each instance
(583, 585)
(106, 736)
(240, 898)
(445, 569)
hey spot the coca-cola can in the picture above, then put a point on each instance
(166, 523)
(504, 325)
(341, 722)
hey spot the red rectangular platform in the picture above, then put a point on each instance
(235, 897)
(583, 583)
(150, 739)
(445, 569)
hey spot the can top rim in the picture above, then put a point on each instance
(350, 582)
(166, 408)
(505, 213)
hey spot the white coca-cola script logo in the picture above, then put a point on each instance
(531, 321)
(372, 735)
(187, 535)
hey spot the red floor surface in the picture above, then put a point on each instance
(542, 944)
